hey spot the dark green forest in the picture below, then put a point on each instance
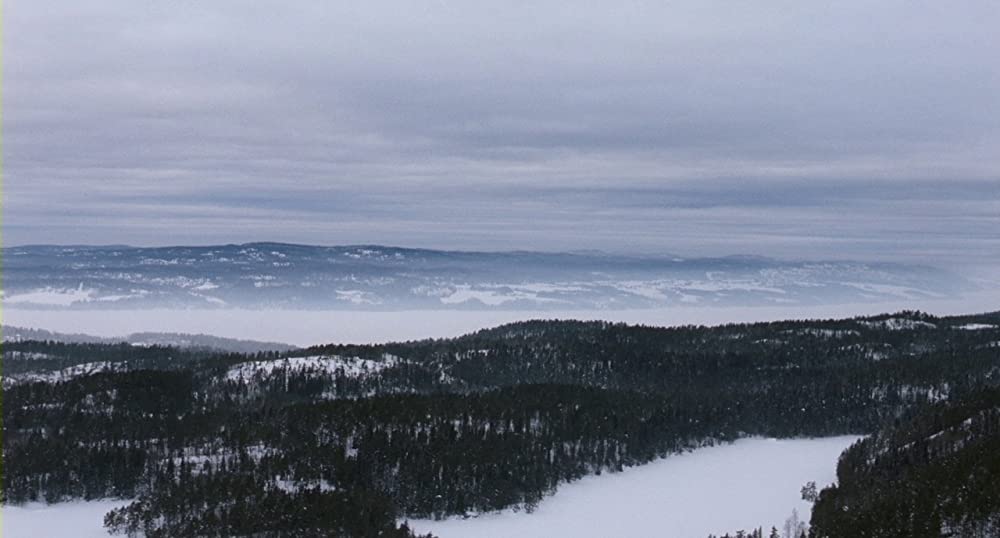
(934, 474)
(353, 440)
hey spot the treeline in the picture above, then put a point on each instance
(225, 505)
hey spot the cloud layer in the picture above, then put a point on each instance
(791, 129)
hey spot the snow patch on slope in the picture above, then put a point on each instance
(321, 365)
(493, 295)
(828, 333)
(976, 327)
(898, 324)
(52, 296)
(65, 374)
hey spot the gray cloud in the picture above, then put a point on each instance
(846, 130)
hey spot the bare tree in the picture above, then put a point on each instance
(793, 526)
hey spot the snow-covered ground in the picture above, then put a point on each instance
(310, 327)
(65, 520)
(750, 483)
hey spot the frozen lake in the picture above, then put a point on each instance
(750, 483)
(310, 327)
(747, 484)
(70, 520)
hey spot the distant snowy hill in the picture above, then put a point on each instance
(273, 275)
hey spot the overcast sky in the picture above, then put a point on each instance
(866, 130)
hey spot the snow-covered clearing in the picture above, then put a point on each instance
(750, 483)
(311, 327)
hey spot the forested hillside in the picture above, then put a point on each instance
(936, 473)
(264, 445)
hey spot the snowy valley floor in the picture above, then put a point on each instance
(752, 482)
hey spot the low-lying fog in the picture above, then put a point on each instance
(309, 327)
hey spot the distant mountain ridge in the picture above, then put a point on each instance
(372, 277)
(179, 340)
